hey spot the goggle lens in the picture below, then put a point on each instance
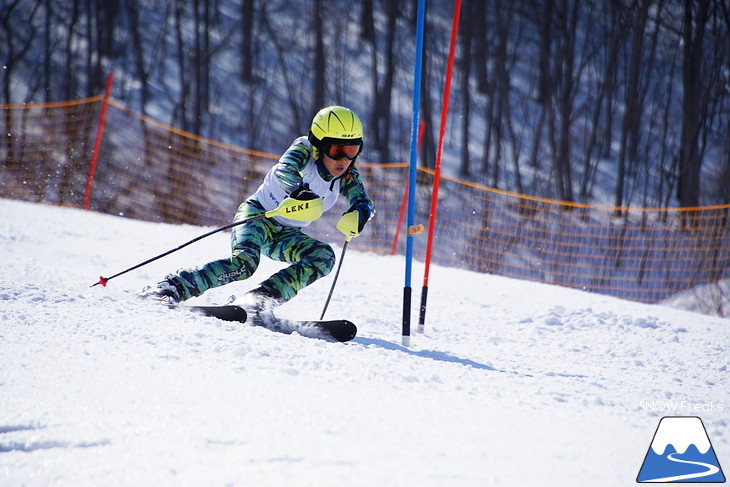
(340, 151)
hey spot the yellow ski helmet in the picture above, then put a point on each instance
(335, 125)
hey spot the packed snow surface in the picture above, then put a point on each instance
(512, 383)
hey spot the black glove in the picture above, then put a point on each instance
(303, 193)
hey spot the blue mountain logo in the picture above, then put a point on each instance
(681, 452)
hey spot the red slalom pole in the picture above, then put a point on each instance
(97, 142)
(437, 169)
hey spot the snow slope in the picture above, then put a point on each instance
(513, 383)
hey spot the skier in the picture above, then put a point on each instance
(318, 166)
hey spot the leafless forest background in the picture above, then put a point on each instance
(617, 102)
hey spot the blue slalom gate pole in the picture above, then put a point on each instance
(407, 290)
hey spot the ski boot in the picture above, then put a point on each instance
(261, 303)
(167, 291)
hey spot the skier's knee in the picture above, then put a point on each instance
(245, 265)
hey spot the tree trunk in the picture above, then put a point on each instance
(689, 158)
(247, 49)
(320, 65)
(465, 35)
(630, 126)
(545, 82)
(138, 53)
(562, 162)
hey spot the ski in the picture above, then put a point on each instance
(224, 312)
(330, 330)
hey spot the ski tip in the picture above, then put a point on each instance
(343, 330)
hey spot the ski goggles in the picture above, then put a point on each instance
(340, 151)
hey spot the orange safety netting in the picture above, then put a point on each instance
(150, 171)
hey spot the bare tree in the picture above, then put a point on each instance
(545, 83)
(201, 64)
(693, 34)
(320, 61)
(465, 37)
(138, 50)
(630, 128)
(382, 85)
(565, 78)
(100, 17)
(19, 35)
(247, 42)
(607, 40)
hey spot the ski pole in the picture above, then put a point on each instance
(337, 273)
(290, 208)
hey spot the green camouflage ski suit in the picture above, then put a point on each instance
(279, 238)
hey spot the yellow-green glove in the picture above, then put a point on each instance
(349, 224)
